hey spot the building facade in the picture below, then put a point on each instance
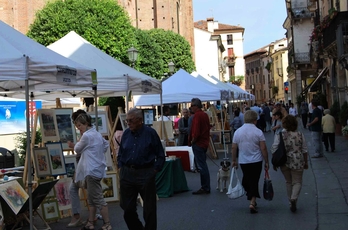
(224, 59)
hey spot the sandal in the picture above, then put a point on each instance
(89, 225)
(106, 226)
(252, 208)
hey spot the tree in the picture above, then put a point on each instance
(174, 48)
(236, 80)
(104, 24)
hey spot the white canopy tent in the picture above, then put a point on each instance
(27, 66)
(180, 88)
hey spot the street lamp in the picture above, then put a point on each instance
(132, 55)
(171, 67)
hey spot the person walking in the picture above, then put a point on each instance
(304, 114)
(297, 158)
(277, 123)
(251, 143)
(329, 127)
(183, 128)
(140, 157)
(293, 110)
(91, 168)
(316, 129)
(199, 140)
(268, 119)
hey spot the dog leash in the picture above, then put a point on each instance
(214, 161)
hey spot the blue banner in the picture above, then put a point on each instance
(13, 115)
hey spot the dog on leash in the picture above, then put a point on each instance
(223, 176)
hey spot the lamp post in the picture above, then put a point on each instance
(171, 67)
(132, 55)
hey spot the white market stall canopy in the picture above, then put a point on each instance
(180, 88)
(21, 58)
(114, 77)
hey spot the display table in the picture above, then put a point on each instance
(183, 148)
(171, 179)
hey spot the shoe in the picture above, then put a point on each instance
(201, 191)
(75, 224)
(317, 156)
(253, 209)
(293, 205)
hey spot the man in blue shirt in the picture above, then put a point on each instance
(140, 157)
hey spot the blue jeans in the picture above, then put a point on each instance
(316, 141)
(74, 197)
(201, 157)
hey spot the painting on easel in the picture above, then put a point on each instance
(56, 157)
(66, 128)
(102, 122)
(14, 195)
(48, 124)
(41, 162)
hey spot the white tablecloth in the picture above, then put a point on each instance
(184, 148)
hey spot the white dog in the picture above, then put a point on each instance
(223, 176)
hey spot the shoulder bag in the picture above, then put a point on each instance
(279, 158)
(236, 191)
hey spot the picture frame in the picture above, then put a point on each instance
(102, 122)
(226, 136)
(48, 124)
(70, 165)
(149, 116)
(50, 210)
(63, 193)
(56, 157)
(41, 162)
(110, 187)
(216, 136)
(122, 117)
(14, 195)
(66, 127)
(52, 193)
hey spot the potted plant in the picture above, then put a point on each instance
(345, 131)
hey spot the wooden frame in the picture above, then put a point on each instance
(14, 195)
(227, 136)
(56, 157)
(124, 124)
(41, 162)
(50, 210)
(102, 122)
(212, 149)
(70, 164)
(216, 136)
(63, 193)
(66, 127)
(109, 187)
(48, 124)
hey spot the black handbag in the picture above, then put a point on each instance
(268, 192)
(279, 157)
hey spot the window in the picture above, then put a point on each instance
(229, 39)
(230, 52)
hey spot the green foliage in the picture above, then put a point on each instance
(275, 90)
(21, 145)
(104, 24)
(236, 80)
(335, 111)
(149, 51)
(343, 115)
(268, 66)
(174, 48)
(113, 103)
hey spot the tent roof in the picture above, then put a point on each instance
(21, 58)
(180, 88)
(112, 74)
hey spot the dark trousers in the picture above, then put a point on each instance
(201, 159)
(329, 137)
(132, 183)
(304, 120)
(251, 177)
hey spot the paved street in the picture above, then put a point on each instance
(322, 204)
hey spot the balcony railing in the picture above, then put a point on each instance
(302, 58)
(329, 33)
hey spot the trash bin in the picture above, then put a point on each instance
(6, 158)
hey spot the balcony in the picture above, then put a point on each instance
(329, 33)
(231, 60)
(302, 58)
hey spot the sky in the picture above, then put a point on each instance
(262, 20)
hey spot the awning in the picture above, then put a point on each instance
(309, 88)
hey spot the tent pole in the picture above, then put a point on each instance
(127, 94)
(30, 184)
(96, 106)
(162, 122)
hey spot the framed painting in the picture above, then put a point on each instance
(63, 193)
(109, 187)
(42, 162)
(14, 195)
(149, 116)
(102, 122)
(50, 210)
(66, 128)
(70, 165)
(226, 137)
(216, 136)
(56, 157)
(48, 124)
(122, 118)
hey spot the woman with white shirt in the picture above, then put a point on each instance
(293, 110)
(251, 143)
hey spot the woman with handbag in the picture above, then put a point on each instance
(252, 151)
(297, 158)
